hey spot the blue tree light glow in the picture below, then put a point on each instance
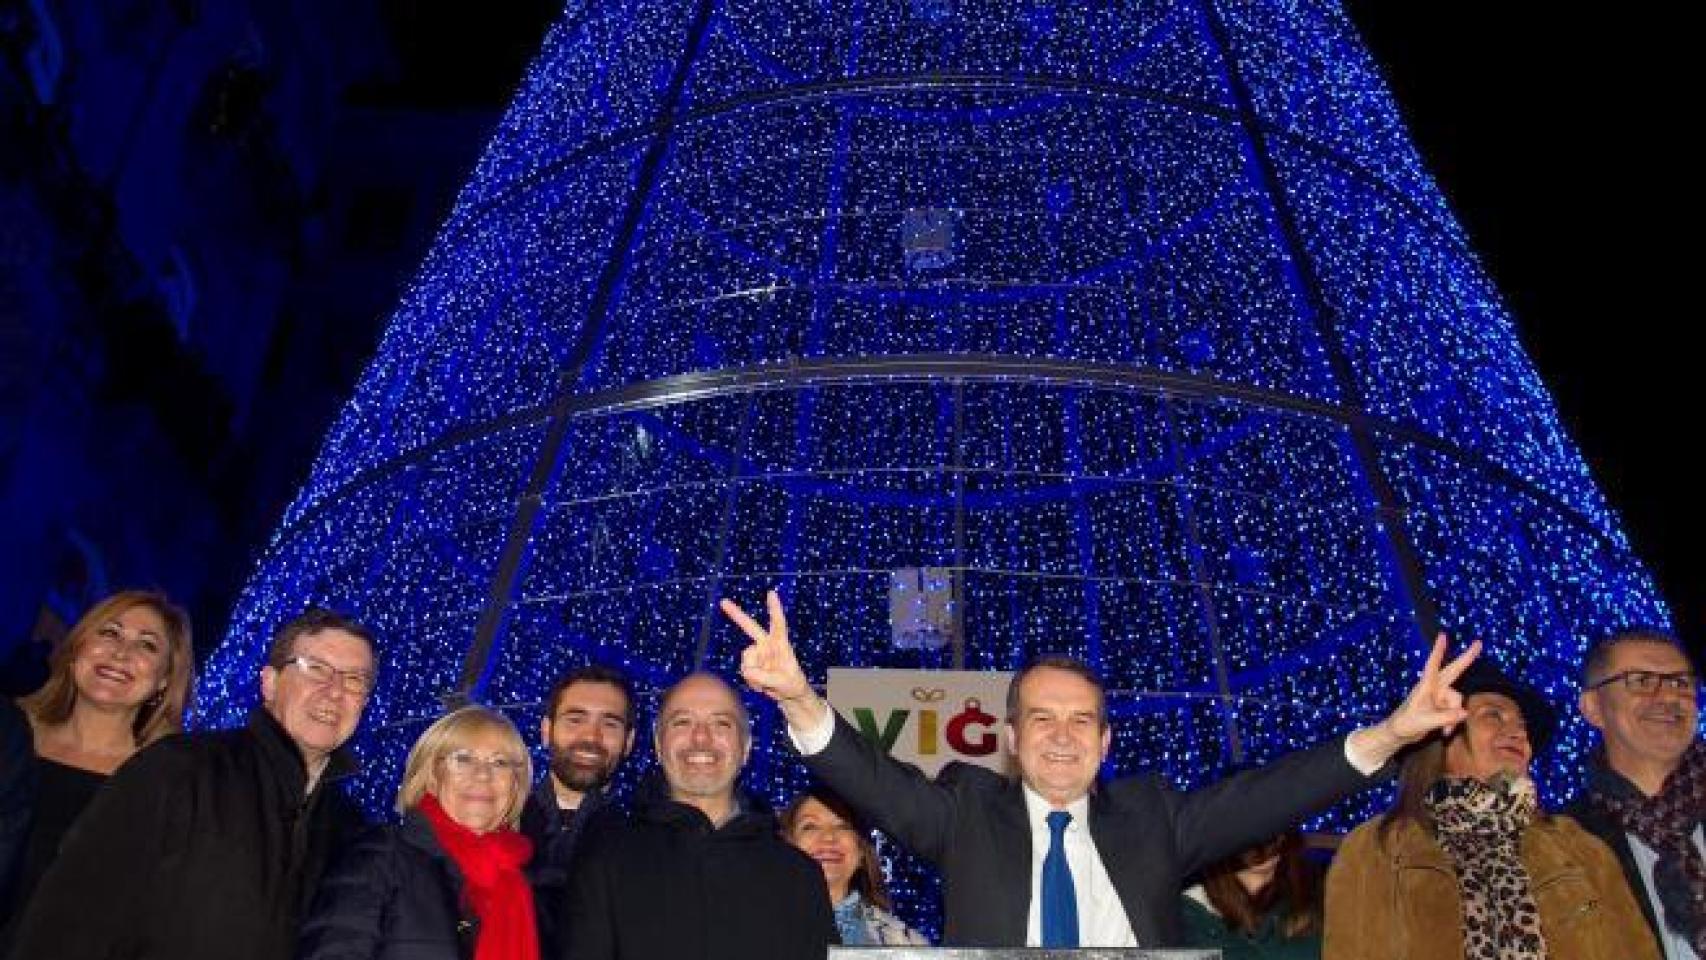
(1140, 318)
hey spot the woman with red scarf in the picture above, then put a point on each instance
(448, 881)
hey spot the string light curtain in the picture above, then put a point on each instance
(1136, 324)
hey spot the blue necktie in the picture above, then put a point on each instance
(1060, 898)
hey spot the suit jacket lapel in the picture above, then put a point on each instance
(1011, 832)
(1114, 832)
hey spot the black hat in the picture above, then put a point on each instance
(1483, 676)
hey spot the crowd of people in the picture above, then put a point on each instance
(121, 836)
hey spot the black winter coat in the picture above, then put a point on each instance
(17, 792)
(556, 834)
(201, 847)
(394, 895)
(670, 886)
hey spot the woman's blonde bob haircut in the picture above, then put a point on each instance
(158, 716)
(452, 732)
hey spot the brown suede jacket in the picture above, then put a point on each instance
(1398, 900)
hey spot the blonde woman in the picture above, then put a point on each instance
(447, 882)
(116, 683)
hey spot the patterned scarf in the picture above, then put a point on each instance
(495, 887)
(1480, 826)
(1666, 823)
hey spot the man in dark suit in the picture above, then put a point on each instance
(1051, 859)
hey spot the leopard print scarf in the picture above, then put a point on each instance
(1480, 826)
(1666, 823)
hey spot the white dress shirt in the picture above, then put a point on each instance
(1101, 917)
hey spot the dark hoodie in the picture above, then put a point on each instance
(673, 886)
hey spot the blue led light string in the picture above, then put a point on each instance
(480, 657)
(675, 342)
(1316, 311)
(1210, 617)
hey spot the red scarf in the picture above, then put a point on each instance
(495, 887)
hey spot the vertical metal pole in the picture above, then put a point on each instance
(1200, 578)
(482, 649)
(1387, 506)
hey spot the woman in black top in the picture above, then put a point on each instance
(116, 683)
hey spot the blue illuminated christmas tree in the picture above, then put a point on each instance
(1128, 329)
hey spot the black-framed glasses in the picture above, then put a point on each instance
(1649, 682)
(354, 682)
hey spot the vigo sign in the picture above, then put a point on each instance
(926, 717)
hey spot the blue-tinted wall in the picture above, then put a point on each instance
(206, 211)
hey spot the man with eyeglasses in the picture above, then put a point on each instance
(702, 871)
(210, 845)
(1646, 782)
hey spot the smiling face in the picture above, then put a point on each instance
(1644, 733)
(830, 840)
(124, 662)
(319, 717)
(1494, 739)
(1057, 734)
(588, 735)
(475, 791)
(702, 741)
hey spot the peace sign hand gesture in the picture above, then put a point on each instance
(1432, 704)
(769, 666)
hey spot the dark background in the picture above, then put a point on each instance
(1559, 140)
(317, 144)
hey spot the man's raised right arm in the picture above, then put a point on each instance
(894, 796)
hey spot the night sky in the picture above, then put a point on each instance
(1558, 138)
